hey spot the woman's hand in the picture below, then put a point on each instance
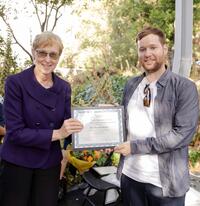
(69, 127)
(63, 164)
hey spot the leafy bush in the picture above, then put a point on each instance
(91, 89)
(103, 88)
(194, 156)
(98, 156)
(118, 82)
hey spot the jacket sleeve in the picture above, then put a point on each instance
(184, 124)
(16, 129)
(1, 116)
(68, 140)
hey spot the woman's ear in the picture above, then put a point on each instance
(33, 56)
(33, 53)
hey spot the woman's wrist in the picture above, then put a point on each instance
(64, 160)
(56, 135)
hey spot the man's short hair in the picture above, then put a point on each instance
(151, 30)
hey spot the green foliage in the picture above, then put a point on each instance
(54, 2)
(104, 89)
(196, 30)
(99, 157)
(118, 83)
(194, 156)
(46, 12)
(2, 43)
(196, 138)
(122, 34)
(83, 94)
(159, 14)
(102, 160)
(114, 44)
(72, 176)
(9, 64)
(128, 17)
(109, 38)
(115, 159)
(196, 7)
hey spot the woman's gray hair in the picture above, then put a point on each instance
(47, 38)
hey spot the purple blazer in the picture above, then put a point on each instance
(31, 114)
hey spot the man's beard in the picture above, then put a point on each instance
(157, 66)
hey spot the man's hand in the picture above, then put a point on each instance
(124, 149)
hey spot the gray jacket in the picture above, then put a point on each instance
(176, 113)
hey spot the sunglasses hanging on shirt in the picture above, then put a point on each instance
(147, 96)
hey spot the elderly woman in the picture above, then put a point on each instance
(37, 113)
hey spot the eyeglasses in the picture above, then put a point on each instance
(43, 54)
(147, 97)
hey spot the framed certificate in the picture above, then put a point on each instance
(103, 127)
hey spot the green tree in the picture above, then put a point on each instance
(196, 30)
(1, 48)
(127, 17)
(92, 37)
(47, 12)
(8, 62)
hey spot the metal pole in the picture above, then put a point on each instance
(183, 37)
(177, 37)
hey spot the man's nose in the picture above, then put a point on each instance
(148, 52)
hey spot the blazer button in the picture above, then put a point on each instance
(37, 124)
(53, 109)
(51, 124)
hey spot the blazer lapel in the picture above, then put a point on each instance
(47, 97)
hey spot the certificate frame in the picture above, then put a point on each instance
(103, 127)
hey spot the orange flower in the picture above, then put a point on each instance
(90, 158)
(85, 152)
(97, 154)
(85, 157)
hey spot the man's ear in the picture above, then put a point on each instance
(165, 49)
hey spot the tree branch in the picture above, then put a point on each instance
(45, 18)
(56, 16)
(14, 37)
(48, 16)
(36, 12)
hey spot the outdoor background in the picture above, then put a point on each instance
(99, 39)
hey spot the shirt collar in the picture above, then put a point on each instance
(164, 77)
